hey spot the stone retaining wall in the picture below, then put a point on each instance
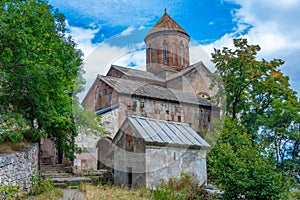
(18, 168)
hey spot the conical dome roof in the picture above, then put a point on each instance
(166, 23)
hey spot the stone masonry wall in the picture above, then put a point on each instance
(18, 168)
(197, 117)
(166, 162)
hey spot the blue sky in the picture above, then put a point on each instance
(112, 31)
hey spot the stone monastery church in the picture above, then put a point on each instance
(153, 117)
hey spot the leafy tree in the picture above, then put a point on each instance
(259, 94)
(249, 85)
(240, 170)
(258, 99)
(39, 70)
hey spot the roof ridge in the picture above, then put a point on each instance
(166, 22)
(161, 120)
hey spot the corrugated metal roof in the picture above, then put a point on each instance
(144, 89)
(166, 132)
(166, 23)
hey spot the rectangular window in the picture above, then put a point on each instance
(165, 54)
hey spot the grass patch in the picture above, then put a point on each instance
(183, 188)
(10, 147)
(54, 194)
(107, 192)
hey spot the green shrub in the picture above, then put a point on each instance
(164, 193)
(12, 127)
(9, 192)
(295, 194)
(40, 185)
(183, 188)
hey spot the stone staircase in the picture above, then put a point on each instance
(61, 178)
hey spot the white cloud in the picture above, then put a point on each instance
(127, 31)
(83, 37)
(142, 27)
(99, 62)
(200, 53)
(274, 26)
(135, 58)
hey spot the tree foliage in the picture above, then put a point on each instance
(239, 168)
(259, 100)
(39, 71)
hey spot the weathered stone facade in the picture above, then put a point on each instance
(166, 162)
(17, 169)
(142, 159)
(170, 90)
(176, 109)
(167, 44)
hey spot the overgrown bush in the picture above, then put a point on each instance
(237, 167)
(40, 185)
(295, 194)
(183, 188)
(12, 127)
(9, 192)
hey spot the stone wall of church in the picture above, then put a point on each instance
(197, 117)
(177, 51)
(129, 160)
(197, 81)
(90, 98)
(166, 162)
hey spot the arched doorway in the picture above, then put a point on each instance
(105, 153)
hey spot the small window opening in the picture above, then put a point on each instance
(150, 55)
(181, 54)
(129, 177)
(165, 54)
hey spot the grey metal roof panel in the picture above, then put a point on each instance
(139, 88)
(162, 131)
(177, 132)
(148, 132)
(166, 132)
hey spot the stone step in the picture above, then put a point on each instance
(55, 175)
(64, 182)
(53, 168)
(91, 173)
(60, 185)
(74, 179)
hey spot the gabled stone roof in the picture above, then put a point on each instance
(150, 90)
(166, 23)
(188, 69)
(139, 74)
